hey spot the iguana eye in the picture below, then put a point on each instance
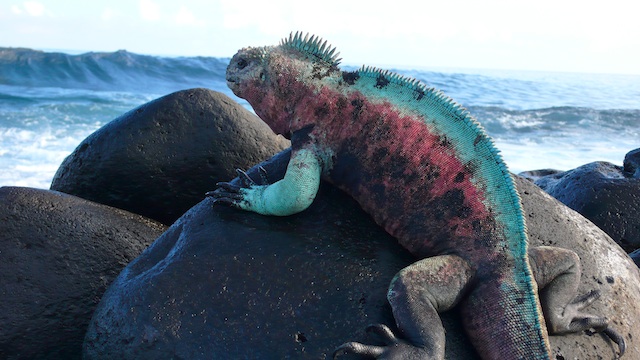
(241, 64)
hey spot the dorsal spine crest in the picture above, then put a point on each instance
(313, 47)
(431, 93)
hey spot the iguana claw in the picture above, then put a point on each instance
(263, 175)
(226, 193)
(574, 320)
(231, 194)
(616, 338)
(245, 179)
(227, 187)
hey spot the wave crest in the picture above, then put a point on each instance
(116, 71)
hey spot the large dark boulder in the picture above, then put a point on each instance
(159, 159)
(604, 193)
(58, 254)
(227, 284)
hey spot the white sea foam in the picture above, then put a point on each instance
(31, 157)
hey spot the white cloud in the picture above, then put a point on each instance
(186, 17)
(107, 14)
(149, 10)
(34, 8)
(269, 17)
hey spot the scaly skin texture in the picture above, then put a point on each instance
(426, 171)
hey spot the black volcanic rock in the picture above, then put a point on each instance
(604, 193)
(58, 254)
(159, 159)
(227, 284)
(244, 285)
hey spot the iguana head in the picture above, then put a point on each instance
(274, 79)
(247, 68)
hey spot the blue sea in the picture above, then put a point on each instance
(50, 101)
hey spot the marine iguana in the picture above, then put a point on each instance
(427, 172)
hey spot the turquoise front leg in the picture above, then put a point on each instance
(291, 195)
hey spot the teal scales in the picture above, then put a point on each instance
(427, 172)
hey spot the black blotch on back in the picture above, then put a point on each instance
(381, 81)
(341, 103)
(451, 205)
(357, 108)
(350, 77)
(444, 141)
(478, 139)
(381, 153)
(321, 112)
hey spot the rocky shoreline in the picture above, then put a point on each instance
(77, 281)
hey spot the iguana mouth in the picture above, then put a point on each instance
(233, 84)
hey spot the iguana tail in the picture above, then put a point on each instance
(504, 321)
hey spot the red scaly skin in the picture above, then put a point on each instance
(401, 171)
(431, 177)
(390, 162)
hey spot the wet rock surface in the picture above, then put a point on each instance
(604, 193)
(58, 255)
(231, 284)
(159, 159)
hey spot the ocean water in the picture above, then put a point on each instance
(49, 102)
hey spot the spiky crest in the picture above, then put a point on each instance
(313, 47)
(422, 89)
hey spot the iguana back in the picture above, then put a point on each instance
(423, 168)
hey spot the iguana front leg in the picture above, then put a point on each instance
(290, 195)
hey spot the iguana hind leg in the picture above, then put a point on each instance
(417, 294)
(557, 272)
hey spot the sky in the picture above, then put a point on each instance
(548, 35)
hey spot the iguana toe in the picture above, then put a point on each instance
(226, 193)
(573, 320)
(384, 333)
(358, 348)
(226, 187)
(395, 348)
(245, 179)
